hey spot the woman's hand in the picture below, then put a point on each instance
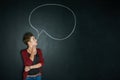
(27, 68)
(33, 51)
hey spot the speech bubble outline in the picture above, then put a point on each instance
(39, 33)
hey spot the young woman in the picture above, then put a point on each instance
(32, 58)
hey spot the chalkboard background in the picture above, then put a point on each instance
(90, 53)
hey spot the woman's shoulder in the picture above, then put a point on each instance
(23, 51)
(39, 50)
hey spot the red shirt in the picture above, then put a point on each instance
(28, 62)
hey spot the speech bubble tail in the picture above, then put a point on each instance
(39, 34)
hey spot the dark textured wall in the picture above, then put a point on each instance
(90, 53)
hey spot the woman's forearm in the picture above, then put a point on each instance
(36, 66)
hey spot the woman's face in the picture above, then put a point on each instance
(33, 41)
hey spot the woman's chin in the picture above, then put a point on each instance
(36, 44)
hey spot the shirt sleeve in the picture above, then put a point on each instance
(41, 59)
(26, 59)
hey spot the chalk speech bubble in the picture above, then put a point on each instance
(39, 33)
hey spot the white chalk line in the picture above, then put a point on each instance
(39, 33)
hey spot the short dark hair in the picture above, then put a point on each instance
(26, 37)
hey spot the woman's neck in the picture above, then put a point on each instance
(31, 49)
